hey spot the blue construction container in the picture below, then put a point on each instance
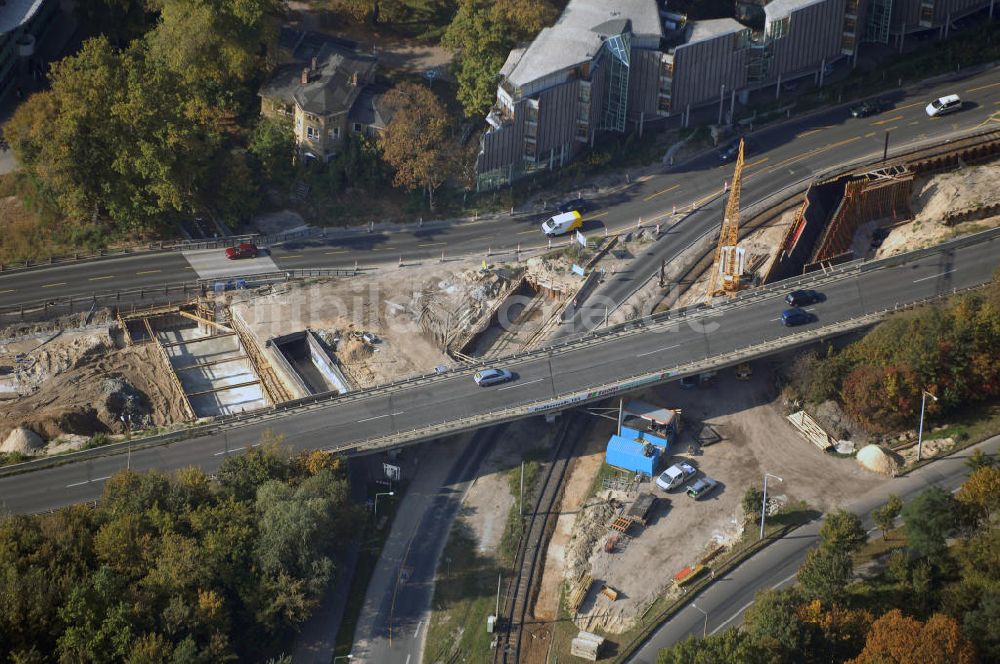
(645, 436)
(632, 456)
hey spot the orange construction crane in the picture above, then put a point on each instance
(729, 257)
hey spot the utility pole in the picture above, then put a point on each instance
(520, 500)
(920, 431)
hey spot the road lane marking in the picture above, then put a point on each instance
(887, 120)
(236, 449)
(915, 122)
(810, 132)
(756, 163)
(888, 129)
(433, 244)
(149, 271)
(334, 253)
(935, 276)
(407, 658)
(658, 350)
(916, 103)
(378, 417)
(533, 230)
(511, 387)
(292, 256)
(9, 290)
(96, 479)
(107, 276)
(652, 196)
(61, 283)
(982, 87)
(600, 214)
(869, 134)
(417, 630)
(784, 581)
(734, 617)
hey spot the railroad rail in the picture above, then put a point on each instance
(532, 545)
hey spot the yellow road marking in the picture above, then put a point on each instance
(61, 283)
(107, 276)
(888, 120)
(149, 271)
(756, 163)
(604, 214)
(293, 256)
(9, 290)
(983, 87)
(869, 134)
(892, 127)
(916, 103)
(652, 196)
(810, 132)
(433, 244)
(533, 230)
(915, 122)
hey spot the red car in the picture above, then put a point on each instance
(245, 250)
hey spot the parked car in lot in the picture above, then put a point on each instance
(244, 250)
(576, 205)
(795, 316)
(870, 107)
(943, 105)
(803, 298)
(702, 487)
(487, 377)
(676, 475)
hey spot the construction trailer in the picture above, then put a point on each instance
(633, 453)
(655, 419)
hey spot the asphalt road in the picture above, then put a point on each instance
(346, 423)
(776, 566)
(777, 157)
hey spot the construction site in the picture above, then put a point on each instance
(237, 351)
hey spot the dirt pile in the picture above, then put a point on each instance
(878, 459)
(588, 535)
(92, 396)
(22, 441)
(937, 195)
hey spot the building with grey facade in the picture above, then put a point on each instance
(22, 24)
(614, 66)
(596, 69)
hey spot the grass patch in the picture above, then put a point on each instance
(877, 546)
(464, 595)
(968, 427)
(516, 523)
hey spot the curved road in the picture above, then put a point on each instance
(729, 596)
(347, 421)
(777, 157)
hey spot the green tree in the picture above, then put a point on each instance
(930, 519)
(482, 43)
(417, 143)
(272, 145)
(773, 624)
(885, 516)
(242, 474)
(731, 646)
(752, 501)
(842, 532)
(982, 626)
(825, 574)
(981, 493)
(979, 459)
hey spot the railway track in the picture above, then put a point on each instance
(532, 545)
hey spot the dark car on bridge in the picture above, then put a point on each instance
(576, 205)
(728, 151)
(244, 250)
(803, 298)
(868, 108)
(796, 316)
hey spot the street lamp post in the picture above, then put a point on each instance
(704, 630)
(387, 493)
(763, 506)
(920, 431)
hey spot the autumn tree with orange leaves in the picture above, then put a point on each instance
(900, 639)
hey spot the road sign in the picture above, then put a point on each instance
(581, 239)
(431, 74)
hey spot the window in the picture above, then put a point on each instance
(356, 127)
(778, 29)
(850, 24)
(312, 133)
(532, 114)
(926, 15)
(335, 133)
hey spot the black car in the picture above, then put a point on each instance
(575, 205)
(728, 151)
(870, 107)
(803, 298)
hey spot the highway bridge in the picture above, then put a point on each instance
(569, 373)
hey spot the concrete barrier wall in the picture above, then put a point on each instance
(325, 364)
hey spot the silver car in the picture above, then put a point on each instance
(487, 377)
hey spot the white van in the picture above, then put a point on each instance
(943, 105)
(562, 223)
